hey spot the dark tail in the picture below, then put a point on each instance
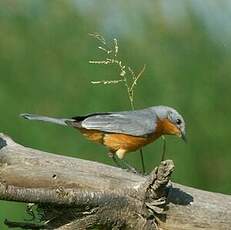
(59, 121)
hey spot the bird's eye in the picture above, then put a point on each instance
(178, 121)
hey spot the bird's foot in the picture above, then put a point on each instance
(130, 168)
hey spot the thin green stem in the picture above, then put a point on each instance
(164, 148)
(129, 83)
(142, 161)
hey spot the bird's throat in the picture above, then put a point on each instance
(166, 127)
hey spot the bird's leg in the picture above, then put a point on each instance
(113, 156)
(122, 163)
(116, 161)
(164, 148)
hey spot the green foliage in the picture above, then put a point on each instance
(44, 68)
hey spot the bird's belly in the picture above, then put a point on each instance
(126, 142)
(119, 143)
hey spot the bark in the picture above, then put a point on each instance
(80, 194)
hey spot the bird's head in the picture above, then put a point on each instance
(178, 122)
(172, 122)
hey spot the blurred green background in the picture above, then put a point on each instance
(44, 53)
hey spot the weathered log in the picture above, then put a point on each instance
(78, 194)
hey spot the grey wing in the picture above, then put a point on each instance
(135, 123)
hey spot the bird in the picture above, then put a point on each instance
(125, 131)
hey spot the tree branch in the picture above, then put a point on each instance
(78, 194)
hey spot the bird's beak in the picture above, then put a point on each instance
(183, 136)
